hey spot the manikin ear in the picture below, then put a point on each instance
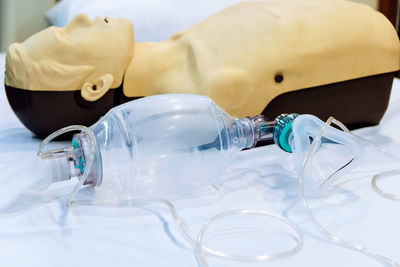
(94, 91)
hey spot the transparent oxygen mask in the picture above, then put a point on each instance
(322, 158)
(323, 153)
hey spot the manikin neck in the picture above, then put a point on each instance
(156, 68)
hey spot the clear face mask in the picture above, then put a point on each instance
(323, 155)
(167, 147)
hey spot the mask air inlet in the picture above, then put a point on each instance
(84, 159)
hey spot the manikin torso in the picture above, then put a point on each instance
(235, 55)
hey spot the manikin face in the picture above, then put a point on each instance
(103, 43)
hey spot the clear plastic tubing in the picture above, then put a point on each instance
(384, 174)
(197, 244)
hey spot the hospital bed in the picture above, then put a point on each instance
(37, 232)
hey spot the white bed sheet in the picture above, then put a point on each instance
(262, 178)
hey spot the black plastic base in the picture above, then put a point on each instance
(357, 103)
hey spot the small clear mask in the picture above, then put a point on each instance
(322, 153)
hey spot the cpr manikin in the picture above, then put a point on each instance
(242, 57)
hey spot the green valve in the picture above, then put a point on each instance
(81, 163)
(75, 143)
(283, 129)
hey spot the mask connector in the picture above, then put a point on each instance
(283, 131)
(259, 128)
(263, 128)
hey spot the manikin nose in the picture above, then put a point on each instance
(81, 20)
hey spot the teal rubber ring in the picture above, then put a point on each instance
(81, 164)
(284, 137)
(75, 143)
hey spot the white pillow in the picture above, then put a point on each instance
(153, 20)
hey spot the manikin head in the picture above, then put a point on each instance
(87, 55)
